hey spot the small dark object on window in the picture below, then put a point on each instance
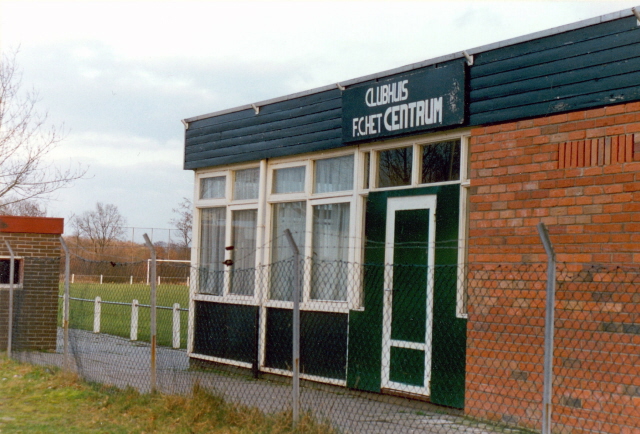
(229, 248)
(228, 262)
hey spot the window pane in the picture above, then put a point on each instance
(334, 174)
(246, 184)
(395, 167)
(290, 180)
(367, 169)
(5, 271)
(212, 188)
(330, 249)
(244, 251)
(212, 225)
(292, 216)
(441, 162)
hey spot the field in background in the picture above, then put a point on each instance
(116, 319)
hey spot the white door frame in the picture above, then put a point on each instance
(401, 204)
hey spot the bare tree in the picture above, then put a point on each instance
(102, 226)
(26, 142)
(29, 208)
(183, 222)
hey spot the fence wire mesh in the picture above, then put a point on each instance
(383, 348)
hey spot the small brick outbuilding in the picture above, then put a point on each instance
(36, 246)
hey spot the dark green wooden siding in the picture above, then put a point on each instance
(227, 331)
(306, 124)
(589, 67)
(580, 69)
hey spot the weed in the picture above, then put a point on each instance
(47, 400)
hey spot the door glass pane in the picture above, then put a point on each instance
(395, 167)
(441, 162)
(289, 180)
(334, 174)
(330, 252)
(211, 269)
(410, 259)
(292, 216)
(212, 188)
(246, 184)
(244, 251)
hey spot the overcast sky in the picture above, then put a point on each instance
(121, 75)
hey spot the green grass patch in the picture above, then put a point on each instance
(36, 399)
(116, 319)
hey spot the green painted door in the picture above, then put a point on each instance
(408, 294)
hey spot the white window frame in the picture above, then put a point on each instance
(230, 205)
(311, 199)
(16, 260)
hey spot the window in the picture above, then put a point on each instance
(243, 250)
(212, 188)
(319, 218)
(367, 170)
(228, 232)
(292, 216)
(5, 267)
(441, 162)
(334, 174)
(212, 248)
(395, 167)
(330, 249)
(289, 180)
(246, 184)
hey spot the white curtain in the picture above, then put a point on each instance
(244, 251)
(334, 174)
(330, 252)
(289, 180)
(246, 184)
(212, 188)
(212, 227)
(292, 216)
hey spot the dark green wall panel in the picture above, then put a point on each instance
(407, 366)
(227, 331)
(449, 335)
(323, 342)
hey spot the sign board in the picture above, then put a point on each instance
(417, 101)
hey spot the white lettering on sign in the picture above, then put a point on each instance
(387, 94)
(398, 117)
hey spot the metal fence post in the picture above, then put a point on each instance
(152, 281)
(97, 313)
(548, 329)
(176, 325)
(10, 323)
(295, 327)
(65, 305)
(134, 320)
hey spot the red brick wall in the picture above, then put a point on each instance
(593, 213)
(36, 301)
(579, 173)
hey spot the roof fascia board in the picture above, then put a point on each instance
(446, 58)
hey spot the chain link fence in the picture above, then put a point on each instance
(440, 349)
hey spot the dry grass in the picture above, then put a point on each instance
(43, 400)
